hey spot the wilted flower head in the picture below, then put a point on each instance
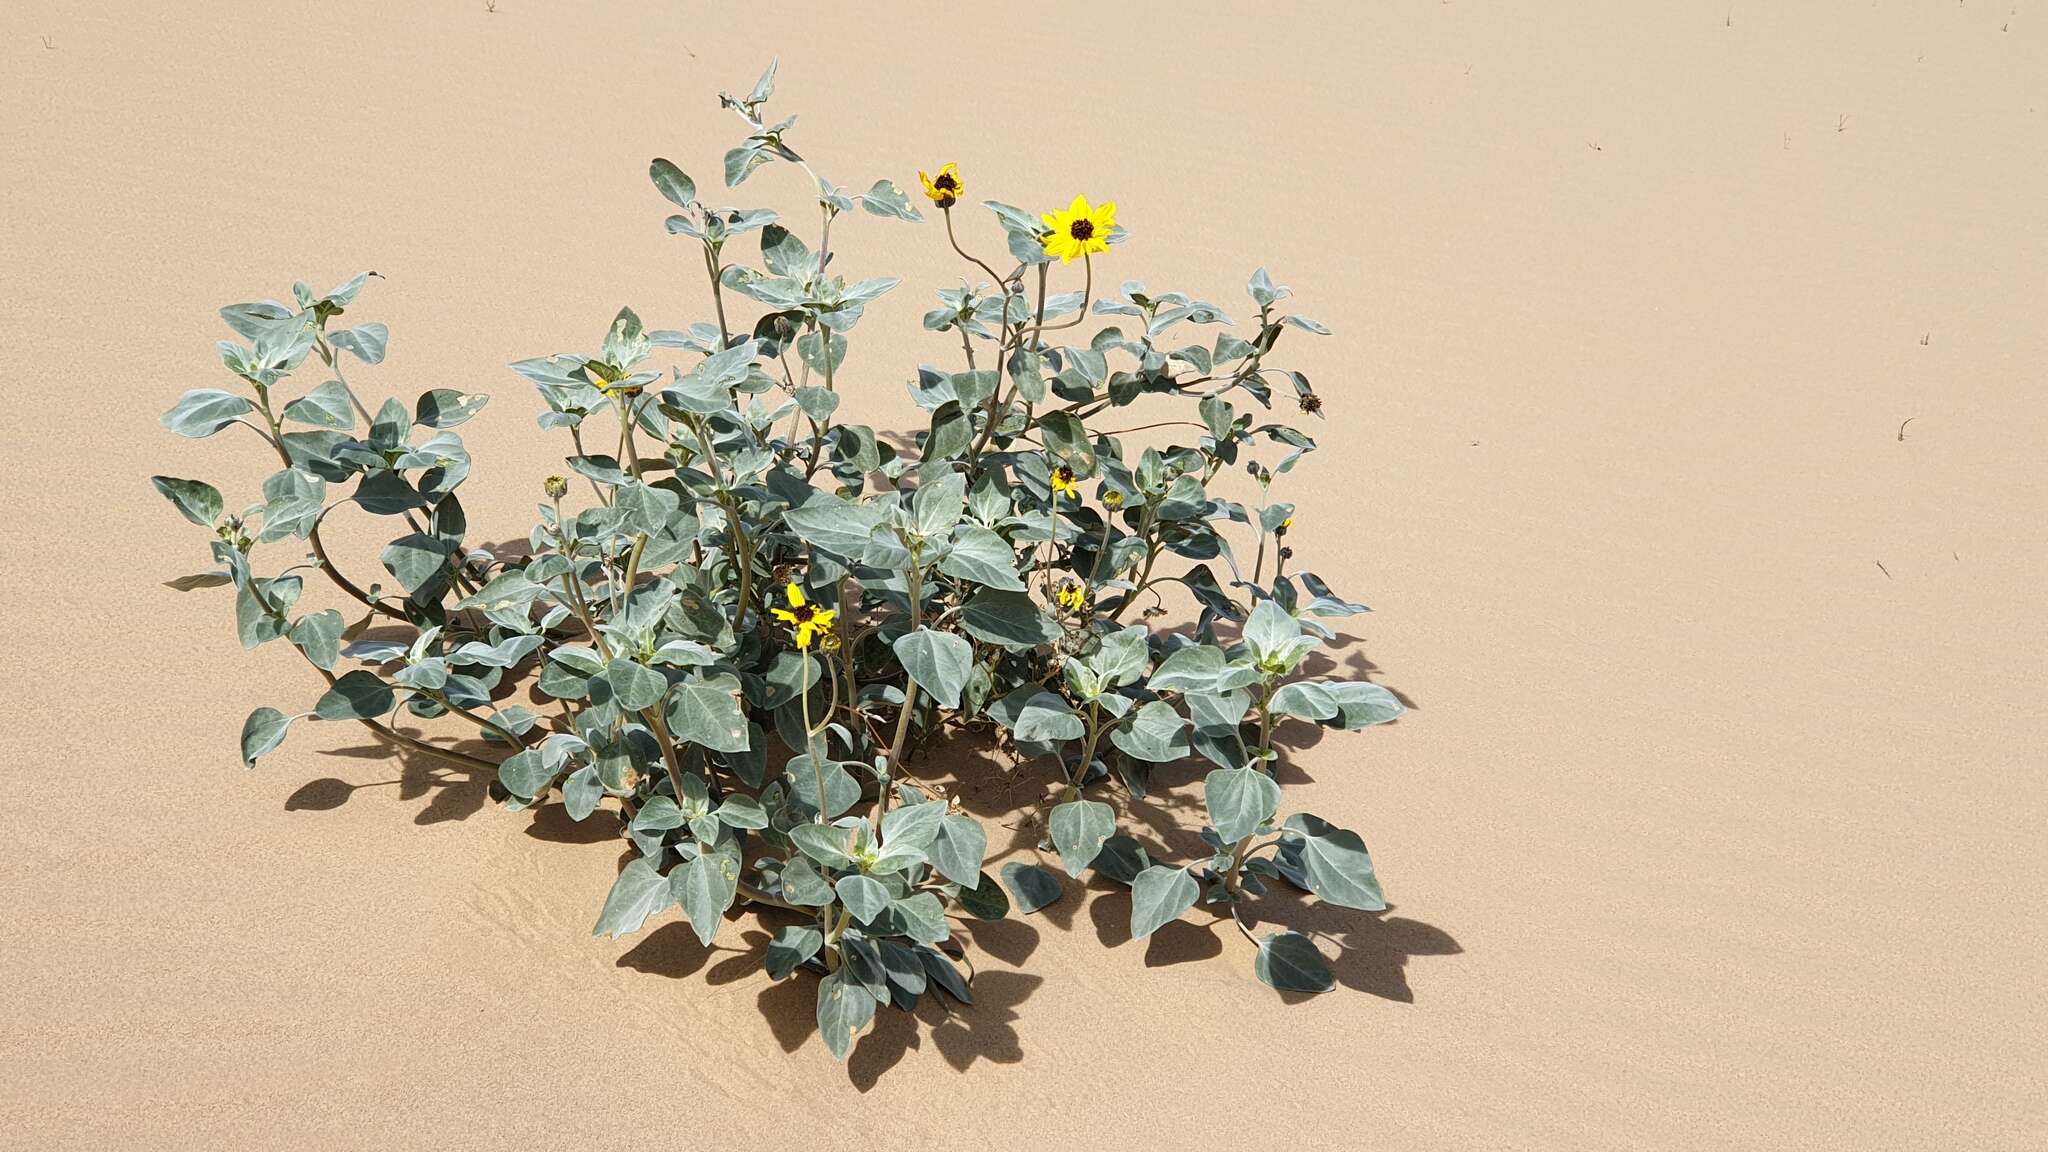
(946, 188)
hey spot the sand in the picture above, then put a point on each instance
(1717, 821)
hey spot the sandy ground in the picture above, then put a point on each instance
(1718, 821)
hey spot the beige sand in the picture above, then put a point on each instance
(1706, 830)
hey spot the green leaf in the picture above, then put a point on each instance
(936, 506)
(823, 843)
(985, 900)
(318, 635)
(327, 406)
(659, 814)
(886, 199)
(1121, 859)
(445, 407)
(923, 917)
(1362, 704)
(639, 892)
(1154, 733)
(1289, 962)
(1270, 630)
(1008, 619)
(1305, 698)
(1336, 864)
(1239, 800)
(939, 661)
(837, 525)
(706, 711)
(844, 1008)
(705, 887)
(203, 411)
(292, 503)
(957, 849)
(527, 773)
(1158, 895)
(1195, 669)
(792, 946)
(359, 695)
(740, 810)
(983, 557)
(367, 341)
(196, 500)
(801, 884)
(1033, 713)
(1030, 886)
(670, 180)
(581, 792)
(863, 896)
(416, 560)
(635, 686)
(1066, 438)
(1078, 829)
(914, 826)
(261, 732)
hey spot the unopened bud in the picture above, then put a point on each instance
(556, 487)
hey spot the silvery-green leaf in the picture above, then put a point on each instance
(1160, 894)
(791, 946)
(367, 341)
(659, 814)
(706, 710)
(635, 686)
(416, 560)
(937, 504)
(983, 557)
(196, 500)
(527, 773)
(914, 826)
(1121, 859)
(387, 494)
(1011, 620)
(1308, 699)
(1155, 733)
(1362, 704)
(203, 411)
(819, 403)
(1270, 630)
(739, 810)
(1239, 801)
(705, 887)
(1078, 829)
(1336, 863)
(261, 732)
(1289, 962)
(1194, 669)
(835, 524)
(957, 848)
(886, 199)
(327, 406)
(841, 791)
(923, 918)
(938, 661)
(801, 883)
(1034, 714)
(823, 843)
(508, 589)
(844, 1008)
(1122, 657)
(318, 635)
(1030, 886)
(359, 695)
(863, 896)
(445, 407)
(639, 892)
(680, 190)
(581, 792)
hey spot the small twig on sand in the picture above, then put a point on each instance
(1881, 568)
(1842, 122)
(1902, 427)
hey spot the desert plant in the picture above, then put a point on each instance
(751, 612)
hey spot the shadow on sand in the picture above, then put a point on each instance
(1371, 951)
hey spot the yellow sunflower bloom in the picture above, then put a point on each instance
(946, 188)
(807, 621)
(1079, 230)
(1073, 598)
(1064, 482)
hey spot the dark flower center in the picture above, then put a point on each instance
(1066, 475)
(804, 612)
(1082, 229)
(945, 183)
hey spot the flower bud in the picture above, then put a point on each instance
(556, 487)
